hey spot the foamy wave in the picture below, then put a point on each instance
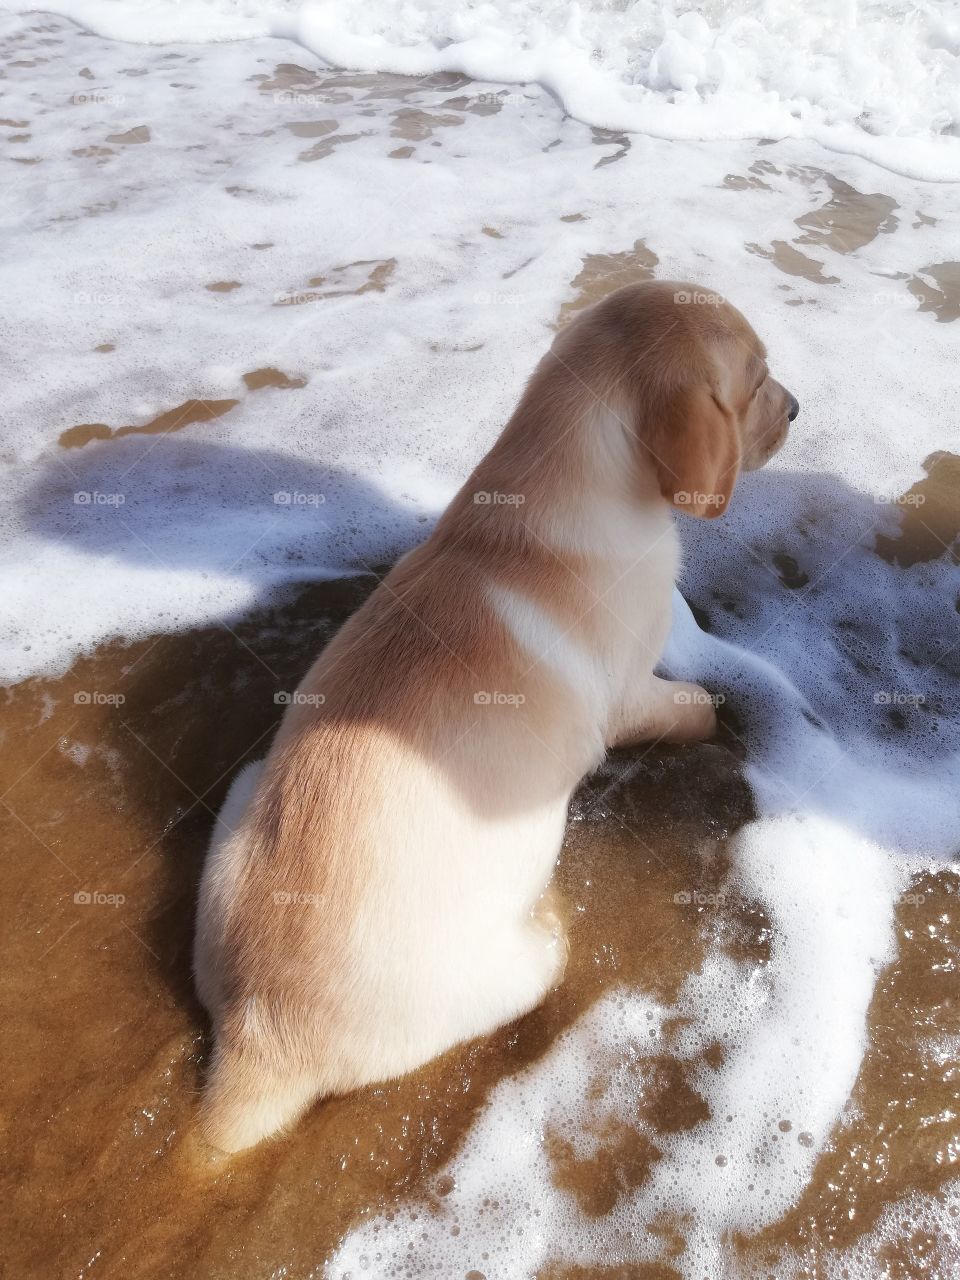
(880, 80)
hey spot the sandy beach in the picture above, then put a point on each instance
(263, 316)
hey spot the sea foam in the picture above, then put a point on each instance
(878, 79)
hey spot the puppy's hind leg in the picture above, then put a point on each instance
(239, 795)
(532, 964)
(550, 931)
(246, 1100)
(226, 858)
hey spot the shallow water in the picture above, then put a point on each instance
(116, 755)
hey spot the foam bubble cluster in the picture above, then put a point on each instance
(877, 79)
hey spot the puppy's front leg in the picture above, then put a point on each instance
(664, 710)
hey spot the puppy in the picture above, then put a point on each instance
(374, 890)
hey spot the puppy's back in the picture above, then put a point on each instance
(370, 909)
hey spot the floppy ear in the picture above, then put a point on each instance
(697, 454)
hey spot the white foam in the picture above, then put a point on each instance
(878, 79)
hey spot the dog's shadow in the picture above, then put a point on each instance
(218, 510)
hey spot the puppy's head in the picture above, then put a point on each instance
(701, 402)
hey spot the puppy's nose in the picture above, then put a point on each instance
(794, 408)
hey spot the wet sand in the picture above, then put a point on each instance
(112, 774)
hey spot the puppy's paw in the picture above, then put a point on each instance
(694, 714)
(551, 931)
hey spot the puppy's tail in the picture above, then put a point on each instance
(245, 1101)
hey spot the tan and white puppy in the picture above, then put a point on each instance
(374, 890)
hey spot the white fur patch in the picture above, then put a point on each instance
(547, 642)
(616, 513)
(238, 798)
(606, 528)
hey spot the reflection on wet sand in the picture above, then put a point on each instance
(311, 128)
(606, 137)
(792, 262)
(415, 125)
(268, 377)
(603, 272)
(130, 137)
(339, 86)
(849, 220)
(138, 745)
(930, 516)
(943, 297)
(184, 415)
(353, 278)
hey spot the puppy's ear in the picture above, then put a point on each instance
(696, 452)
